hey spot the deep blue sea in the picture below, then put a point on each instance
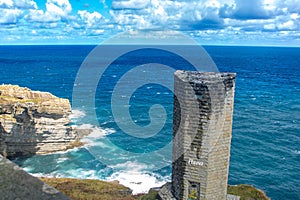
(265, 148)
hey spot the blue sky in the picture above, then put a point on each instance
(216, 22)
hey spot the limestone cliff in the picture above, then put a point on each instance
(33, 122)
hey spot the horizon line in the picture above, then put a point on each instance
(94, 44)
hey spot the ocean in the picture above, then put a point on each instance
(265, 149)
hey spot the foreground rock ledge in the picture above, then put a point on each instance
(34, 122)
(17, 184)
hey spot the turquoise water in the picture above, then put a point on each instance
(265, 145)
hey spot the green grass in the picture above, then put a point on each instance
(247, 192)
(152, 195)
(87, 189)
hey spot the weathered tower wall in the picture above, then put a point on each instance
(202, 128)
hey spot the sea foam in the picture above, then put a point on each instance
(96, 133)
(77, 114)
(137, 177)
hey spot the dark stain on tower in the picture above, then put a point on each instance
(202, 127)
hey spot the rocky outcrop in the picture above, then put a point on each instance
(33, 122)
(17, 184)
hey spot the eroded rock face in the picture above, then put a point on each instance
(33, 122)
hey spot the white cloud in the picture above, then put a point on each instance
(97, 32)
(164, 14)
(6, 3)
(25, 4)
(9, 16)
(91, 19)
(269, 27)
(210, 15)
(285, 26)
(225, 20)
(269, 5)
(56, 10)
(169, 14)
(293, 6)
(41, 16)
(61, 8)
(20, 4)
(130, 4)
(245, 10)
(295, 16)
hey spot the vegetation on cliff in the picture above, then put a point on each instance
(15, 93)
(78, 189)
(247, 192)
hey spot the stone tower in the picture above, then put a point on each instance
(202, 127)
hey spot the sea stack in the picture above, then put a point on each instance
(202, 130)
(33, 122)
